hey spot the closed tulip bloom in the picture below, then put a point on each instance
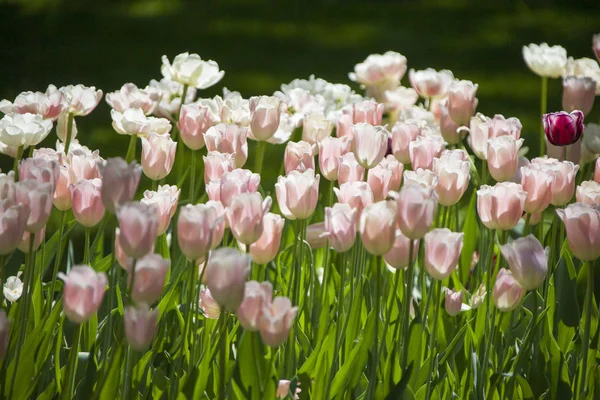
(582, 224)
(343, 126)
(453, 302)
(507, 293)
(424, 149)
(83, 291)
(376, 228)
(502, 157)
(245, 216)
(236, 182)
(430, 83)
(379, 180)
(150, 272)
(299, 156)
(86, 197)
(330, 151)
(194, 121)
(39, 169)
(340, 226)
(36, 198)
(158, 155)
(448, 128)
(500, 206)
(230, 139)
(24, 129)
(266, 114)
(403, 133)
(13, 219)
(578, 94)
(416, 207)
(139, 227)
(453, 176)
(370, 144)
(501, 126)
(84, 165)
(562, 128)
(390, 163)
(164, 201)
(190, 69)
(442, 251)
(349, 170)
(545, 60)
(62, 193)
(537, 183)
(210, 308)
(265, 249)
(357, 195)
(200, 228)
(563, 186)
(276, 320)
(297, 194)
(421, 177)
(366, 111)
(316, 127)
(119, 182)
(380, 72)
(462, 101)
(479, 134)
(140, 326)
(527, 260)
(81, 99)
(130, 96)
(588, 192)
(216, 164)
(398, 256)
(226, 274)
(123, 259)
(49, 105)
(256, 296)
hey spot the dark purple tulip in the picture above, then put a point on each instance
(578, 94)
(563, 128)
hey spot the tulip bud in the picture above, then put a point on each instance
(448, 128)
(502, 157)
(276, 321)
(200, 228)
(349, 170)
(230, 139)
(562, 128)
(462, 101)
(453, 177)
(164, 201)
(194, 121)
(453, 302)
(297, 194)
(236, 182)
(563, 184)
(398, 256)
(158, 155)
(299, 156)
(4, 330)
(507, 293)
(578, 94)
(13, 219)
(226, 275)
(84, 165)
(478, 297)
(415, 210)
(36, 198)
(377, 227)
(119, 183)
(537, 183)
(140, 326)
(442, 251)
(83, 292)
(39, 169)
(357, 195)
(245, 216)
(589, 193)
(366, 111)
(265, 249)
(340, 226)
(216, 164)
(424, 149)
(527, 260)
(86, 197)
(403, 133)
(266, 114)
(370, 144)
(62, 194)
(256, 297)
(150, 272)
(316, 127)
(582, 224)
(25, 241)
(208, 305)
(500, 206)
(330, 151)
(139, 227)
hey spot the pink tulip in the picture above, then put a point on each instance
(462, 101)
(377, 224)
(578, 94)
(442, 251)
(582, 224)
(226, 275)
(430, 83)
(563, 185)
(25, 241)
(256, 297)
(448, 128)
(527, 260)
(194, 121)
(82, 292)
(380, 72)
(416, 207)
(36, 198)
(123, 259)
(150, 272)
(330, 151)
(265, 249)
(299, 156)
(62, 194)
(164, 201)
(283, 390)
(500, 206)
(453, 179)
(340, 226)
(13, 219)
(86, 197)
(130, 96)
(403, 133)
(424, 149)
(216, 164)
(502, 157)
(453, 302)
(139, 227)
(379, 181)
(588, 192)
(266, 114)
(366, 111)
(40, 169)
(421, 177)
(119, 182)
(357, 195)
(537, 183)
(49, 105)
(200, 228)
(501, 126)
(140, 326)
(349, 170)
(236, 182)
(230, 139)
(479, 134)
(597, 170)
(84, 165)
(245, 216)
(390, 163)
(210, 308)
(343, 126)
(507, 293)
(276, 321)
(4, 331)
(298, 194)
(316, 127)
(158, 155)
(370, 144)
(397, 257)
(8, 188)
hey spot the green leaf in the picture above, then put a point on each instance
(471, 232)
(567, 307)
(111, 385)
(525, 388)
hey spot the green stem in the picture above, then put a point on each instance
(526, 227)
(433, 337)
(132, 281)
(406, 307)
(543, 103)
(564, 153)
(129, 364)
(585, 340)
(488, 261)
(86, 249)
(154, 185)
(191, 292)
(372, 386)
(70, 119)
(193, 177)
(17, 161)
(72, 365)
(111, 295)
(484, 170)
(57, 261)
(130, 156)
(260, 155)
(223, 358)
(487, 350)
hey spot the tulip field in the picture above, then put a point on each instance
(410, 248)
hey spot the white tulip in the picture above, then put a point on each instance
(545, 60)
(191, 70)
(24, 129)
